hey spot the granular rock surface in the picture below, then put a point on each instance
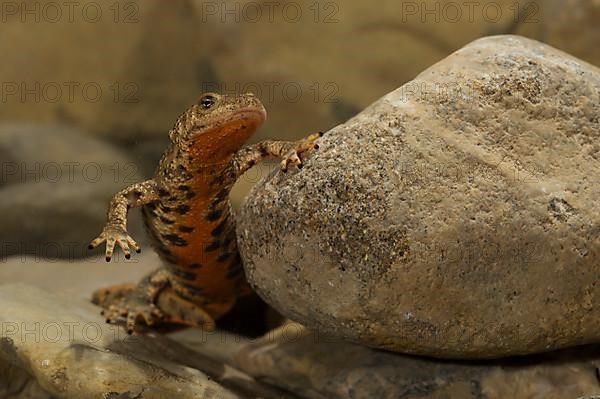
(457, 216)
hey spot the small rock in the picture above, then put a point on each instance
(455, 217)
(321, 367)
(15, 383)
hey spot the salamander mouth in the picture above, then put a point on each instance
(257, 116)
(245, 119)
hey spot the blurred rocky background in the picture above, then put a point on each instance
(89, 89)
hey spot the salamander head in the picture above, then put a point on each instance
(219, 120)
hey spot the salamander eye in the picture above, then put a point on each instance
(207, 101)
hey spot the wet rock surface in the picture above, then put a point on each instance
(455, 217)
(54, 346)
(321, 367)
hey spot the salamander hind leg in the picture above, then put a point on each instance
(182, 311)
(134, 303)
(104, 297)
(153, 302)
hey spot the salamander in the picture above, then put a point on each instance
(187, 213)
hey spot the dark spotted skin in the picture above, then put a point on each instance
(187, 213)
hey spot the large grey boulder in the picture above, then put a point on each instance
(458, 216)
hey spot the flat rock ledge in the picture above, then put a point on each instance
(317, 366)
(457, 216)
(53, 346)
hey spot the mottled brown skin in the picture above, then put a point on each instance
(187, 212)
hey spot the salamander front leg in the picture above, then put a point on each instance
(115, 230)
(290, 153)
